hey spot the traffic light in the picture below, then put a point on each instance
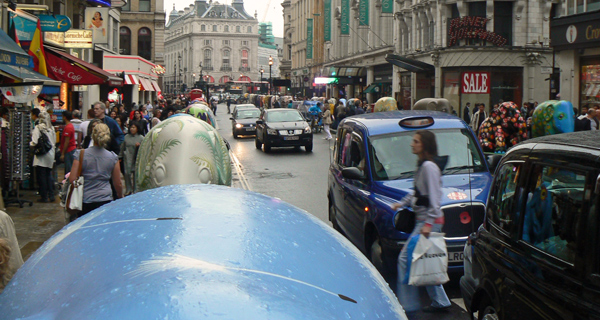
(270, 60)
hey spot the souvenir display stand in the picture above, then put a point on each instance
(18, 140)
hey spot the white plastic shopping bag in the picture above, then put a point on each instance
(429, 264)
(76, 200)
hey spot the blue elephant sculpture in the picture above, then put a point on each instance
(553, 117)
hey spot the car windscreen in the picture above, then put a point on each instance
(246, 114)
(284, 116)
(392, 158)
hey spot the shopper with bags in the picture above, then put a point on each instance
(429, 218)
(97, 166)
(43, 139)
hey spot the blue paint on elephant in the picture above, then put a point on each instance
(553, 117)
(198, 252)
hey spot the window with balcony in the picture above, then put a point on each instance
(225, 65)
(244, 67)
(207, 63)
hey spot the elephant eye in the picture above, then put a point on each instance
(561, 116)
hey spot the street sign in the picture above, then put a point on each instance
(546, 70)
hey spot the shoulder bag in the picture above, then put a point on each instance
(74, 203)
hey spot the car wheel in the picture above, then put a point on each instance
(308, 147)
(267, 146)
(332, 218)
(487, 311)
(257, 143)
(377, 257)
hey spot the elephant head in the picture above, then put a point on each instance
(182, 150)
(553, 117)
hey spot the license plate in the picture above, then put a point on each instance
(291, 138)
(456, 256)
(250, 129)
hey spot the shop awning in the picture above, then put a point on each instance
(11, 53)
(22, 74)
(409, 64)
(72, 70)
(155, 86)
(131, 79)
(370, 88)
(146, 84)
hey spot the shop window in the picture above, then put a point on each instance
(145, 5)
(145, 43)
(554, 214)
(503, 20)
(590, 82)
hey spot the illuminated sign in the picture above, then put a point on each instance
(71, 39)
(472, 28)
(322, 80)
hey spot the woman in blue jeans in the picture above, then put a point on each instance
(429, 218)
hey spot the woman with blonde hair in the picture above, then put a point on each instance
(98, 167)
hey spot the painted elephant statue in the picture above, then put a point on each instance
(435, 104)
(182, 150)
(553, 117)
(203, 112)
(504, 128)
(385, 104)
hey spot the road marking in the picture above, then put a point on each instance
(238, 169)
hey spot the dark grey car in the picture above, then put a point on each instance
(243, 122)
(283, 128)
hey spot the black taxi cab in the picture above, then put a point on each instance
(537, 254)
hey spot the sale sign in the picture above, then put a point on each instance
(475, 82)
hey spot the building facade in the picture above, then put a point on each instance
(575, 37)
(479, 51)
(142, 30)
(216, 41)
(285, 67)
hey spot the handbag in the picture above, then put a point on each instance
(404, 220)
(74, 203)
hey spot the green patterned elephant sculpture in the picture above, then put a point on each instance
(552, 117)
(182, 150)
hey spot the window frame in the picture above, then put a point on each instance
(536, 252)
(517, 193)
(149, 2)
(149, 35)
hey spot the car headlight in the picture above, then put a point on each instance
(307, 130)
(238, 125)
(271, 131)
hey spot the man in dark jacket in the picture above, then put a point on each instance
(467, 113)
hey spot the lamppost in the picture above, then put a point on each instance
(261, 80)
(179, 76)
(270, 75)
(194, 80)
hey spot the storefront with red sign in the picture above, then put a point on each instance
(488, 86)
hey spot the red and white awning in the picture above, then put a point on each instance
(146, 84)
(131, 79)
(155, 86)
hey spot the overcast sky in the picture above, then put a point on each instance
(272, 12)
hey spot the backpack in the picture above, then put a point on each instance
(43, 145)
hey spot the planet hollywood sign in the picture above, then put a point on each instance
(472, 28)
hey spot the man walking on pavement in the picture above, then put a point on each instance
(478, 118)
(68, 143)
(115, 130)
(467, 113)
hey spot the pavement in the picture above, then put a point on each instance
(36, 223)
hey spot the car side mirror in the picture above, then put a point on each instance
(259, 122)
(231, 118)
(493, 159)
(353, 173)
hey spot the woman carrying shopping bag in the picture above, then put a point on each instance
(44, 162)
(98, 167)
(429, 218)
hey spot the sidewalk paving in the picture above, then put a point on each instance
(35, 224)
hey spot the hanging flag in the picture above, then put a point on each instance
(36, 51)
(12, 32)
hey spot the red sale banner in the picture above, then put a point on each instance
(475, 82)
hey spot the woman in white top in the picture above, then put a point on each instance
(44, 163)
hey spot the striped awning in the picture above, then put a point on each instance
(131, 79)
(155, 85)
(146, 84)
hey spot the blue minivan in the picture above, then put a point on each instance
(373, 167)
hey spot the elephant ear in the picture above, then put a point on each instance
(549, 113)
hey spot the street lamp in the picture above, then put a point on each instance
(261, 79)
(194, 79)
(270, 75)
(179, 77)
